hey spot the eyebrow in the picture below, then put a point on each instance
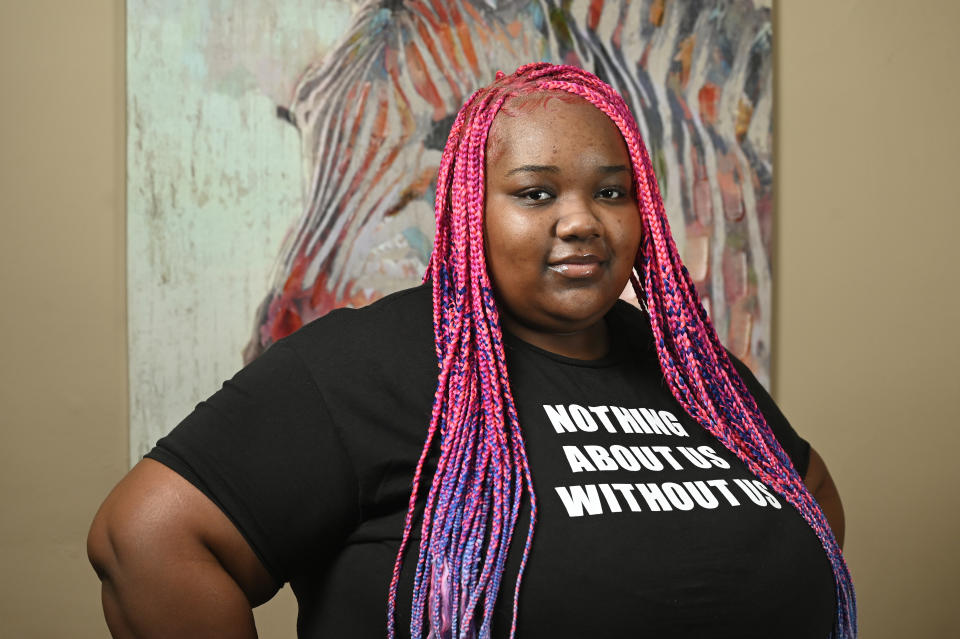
(616, 168)
(550, 168)
(534, 168)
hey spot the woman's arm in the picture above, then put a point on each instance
(171, 563)
(821, 486)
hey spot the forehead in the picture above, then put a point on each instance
(533, 127)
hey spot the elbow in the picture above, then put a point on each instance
(101, 549)
(103, 554)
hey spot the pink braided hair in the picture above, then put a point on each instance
(474, 499)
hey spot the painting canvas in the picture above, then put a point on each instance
(282, 159)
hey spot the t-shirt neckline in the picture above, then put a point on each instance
(615, 355)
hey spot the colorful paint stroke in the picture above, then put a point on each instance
(374, 113)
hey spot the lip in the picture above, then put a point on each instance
(577, 267)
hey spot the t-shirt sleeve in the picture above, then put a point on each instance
(795, 446)
(263, 448)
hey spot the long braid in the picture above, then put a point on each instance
(474, 499)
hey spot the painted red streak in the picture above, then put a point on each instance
(286, 321)
(423, 83)
(709, 95)
(403, 102)
(644, 56)
(463, 32)
(618, 35)
(442, 63)
(501, 37)
(594, 13)
(347, 149)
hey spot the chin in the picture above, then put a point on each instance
(581, 313)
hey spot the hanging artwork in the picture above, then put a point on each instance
(307, 135)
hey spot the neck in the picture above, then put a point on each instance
(592, 342)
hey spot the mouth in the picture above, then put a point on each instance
(577, 267)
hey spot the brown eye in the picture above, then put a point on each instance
(536, 195)
(612, 193)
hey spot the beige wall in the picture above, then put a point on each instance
(867, 308)
(867, 302)
(63, 362)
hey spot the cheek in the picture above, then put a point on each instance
(629, 235)
(512, 238)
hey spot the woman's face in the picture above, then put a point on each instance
(562, 226)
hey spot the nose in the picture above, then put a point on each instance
(578, 221)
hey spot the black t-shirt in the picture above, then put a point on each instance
(647, 525)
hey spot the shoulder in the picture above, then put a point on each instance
(404, 305)
(394, 332)
(406, 314)
(797, 448)
(632, 326)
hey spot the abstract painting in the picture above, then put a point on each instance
(282, 159)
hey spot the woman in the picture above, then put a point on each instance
(650, 491)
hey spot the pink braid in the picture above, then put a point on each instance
(474, 499)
